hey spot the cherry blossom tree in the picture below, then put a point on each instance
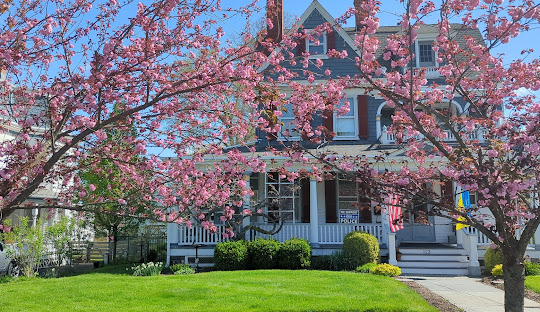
(494, 148)
(74, 70)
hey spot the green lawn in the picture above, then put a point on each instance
(533, 283)
(272, 290)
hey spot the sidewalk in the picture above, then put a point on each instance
(469, 294)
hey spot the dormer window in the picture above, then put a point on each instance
(317, 46)
(425, 56)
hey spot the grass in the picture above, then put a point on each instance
(533, 283)
(271, 290)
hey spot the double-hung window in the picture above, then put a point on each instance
(288, 128)
(283, 198)
(346, 124)
(317, 46)
(425, 56)
(351, 204)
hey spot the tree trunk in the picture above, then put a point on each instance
(514, 283)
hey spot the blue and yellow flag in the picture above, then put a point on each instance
(464, 201)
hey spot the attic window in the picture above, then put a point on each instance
(317, 46)
(426, 55)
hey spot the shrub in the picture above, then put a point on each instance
(262, 253)
(230, 256)
(361, 247)
(147, 269)
(181, 269)
(497, 270)
(322, 263)
(532, 268)
(366, 267)
(386, 270)
(6, 279)
(339, 261)
(294, 254)
(492, 258)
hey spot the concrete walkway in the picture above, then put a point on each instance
(469, 293)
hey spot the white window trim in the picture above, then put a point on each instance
(290, 137)
(417, 51)
(354, 105)
(323, 43)
(294, 196)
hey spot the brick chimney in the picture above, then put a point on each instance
(361, 14)
(274, 12)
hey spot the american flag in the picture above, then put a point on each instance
(394, 214)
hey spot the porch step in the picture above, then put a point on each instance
(434, 271)
(434, 264)
(434, 257)
(435, 261)
(432, 251)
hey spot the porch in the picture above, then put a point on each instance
(327, 234)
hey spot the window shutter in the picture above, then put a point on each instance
(300, 46)
(330, 200)
(328, 123)
(331, 40)
(447, 192)
(304, 185)
(363, 125)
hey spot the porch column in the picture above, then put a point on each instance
(172, 238)
(392, 248)
(537, 239)
(474, 266)
(247, 202)
(313, 216)
(378, 126)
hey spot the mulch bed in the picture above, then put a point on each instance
(435, 300)
(498, 283)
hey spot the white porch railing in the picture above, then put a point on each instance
(328, 233)
(334, 233)
(432, 72)
(483, 240)
(387, 137)
(198, 235)
(301, 230)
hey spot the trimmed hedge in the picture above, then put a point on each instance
(361, 248)
(492, 258)
(263, 253)
(229, 256)
(294, 254)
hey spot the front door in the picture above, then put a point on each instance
(418, 226)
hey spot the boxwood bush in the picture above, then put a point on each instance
(294, 254)
(230, 256)
(493, 257)
(262, 253)
(361, 248)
